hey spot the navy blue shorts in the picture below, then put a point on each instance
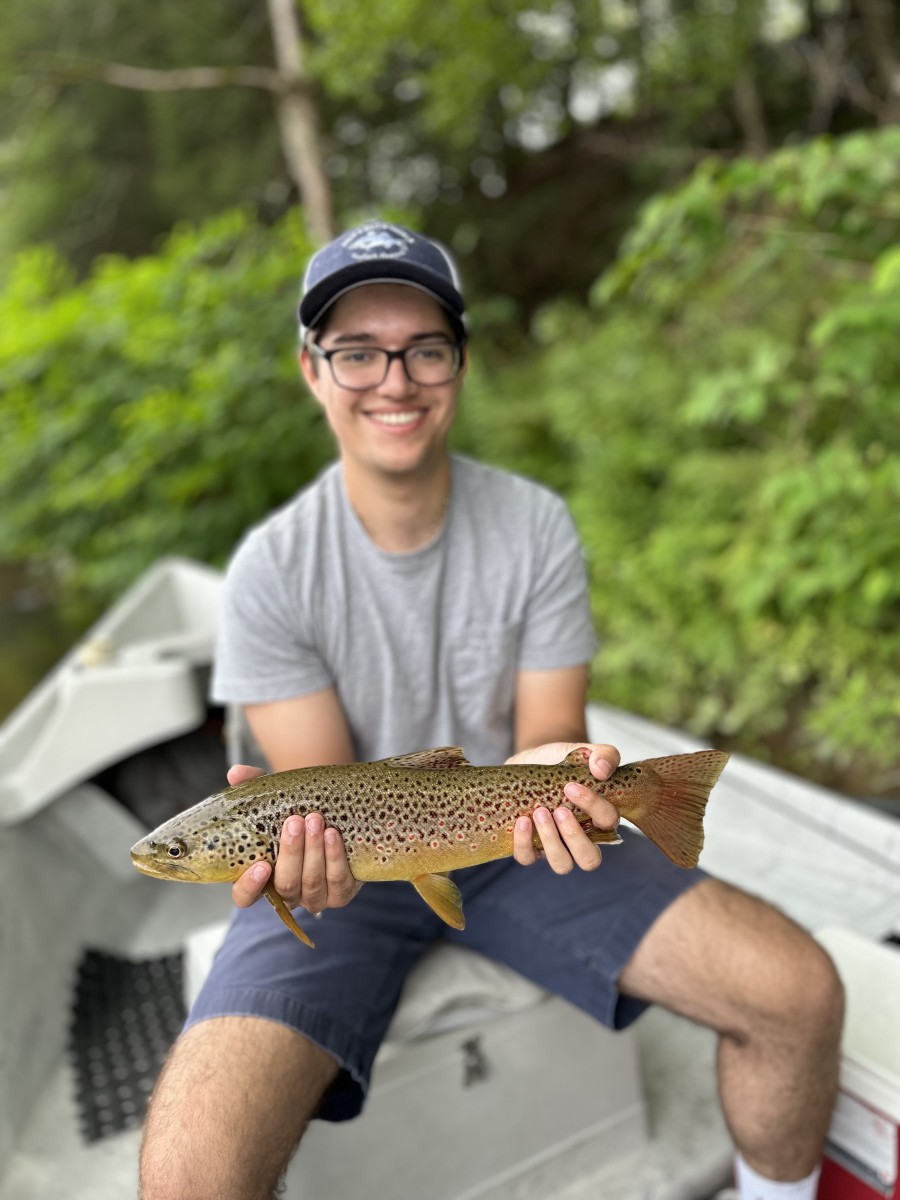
(570, 934)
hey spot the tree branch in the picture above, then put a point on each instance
(147, 79)
(289, 86)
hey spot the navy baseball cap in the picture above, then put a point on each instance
(378, 252)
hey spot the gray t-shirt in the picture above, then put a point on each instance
(422, 648)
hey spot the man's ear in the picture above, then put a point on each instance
(309, 369)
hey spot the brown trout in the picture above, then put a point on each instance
(422, 815)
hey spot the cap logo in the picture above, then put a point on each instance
(378, 242)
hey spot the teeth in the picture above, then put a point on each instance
(396, 418)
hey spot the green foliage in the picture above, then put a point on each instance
(732, 418)
(526, 129)
(725, 422)
(156, 407)
(452, 61)
(96, 168)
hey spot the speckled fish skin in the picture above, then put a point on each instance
(421, 815)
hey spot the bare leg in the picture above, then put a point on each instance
(229, 1109)
(729, 961)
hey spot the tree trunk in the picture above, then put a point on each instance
(880, 42)
(298, 124)
(748, 107)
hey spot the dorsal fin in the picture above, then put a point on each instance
(579, 757)
(444, 758)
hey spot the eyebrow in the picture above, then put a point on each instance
(341, 338)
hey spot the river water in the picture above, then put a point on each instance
(33, 636)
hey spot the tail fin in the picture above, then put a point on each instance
(670, 808)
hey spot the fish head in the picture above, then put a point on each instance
(205, 844)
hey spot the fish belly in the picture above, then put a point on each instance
(384, 861)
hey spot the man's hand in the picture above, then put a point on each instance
(564, 842)
(311, 868)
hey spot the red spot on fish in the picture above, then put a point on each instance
(460, 836)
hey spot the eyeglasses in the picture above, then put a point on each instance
(360, 368)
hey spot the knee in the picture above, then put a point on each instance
(822, 992)
(803, 992)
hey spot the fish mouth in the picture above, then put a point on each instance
(148, 865)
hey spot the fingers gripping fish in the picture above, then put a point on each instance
(422, 815)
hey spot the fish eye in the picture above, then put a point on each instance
(176, 848)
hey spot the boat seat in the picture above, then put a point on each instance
(512, 1090)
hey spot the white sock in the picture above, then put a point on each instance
(755, 1187)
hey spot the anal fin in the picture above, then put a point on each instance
(442, 895)
(605, 837)
(278, 903)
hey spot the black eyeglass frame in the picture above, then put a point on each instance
(459, 345)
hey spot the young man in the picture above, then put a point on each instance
(406, 599)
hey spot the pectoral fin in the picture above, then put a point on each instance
(286, 915)
(441, 893)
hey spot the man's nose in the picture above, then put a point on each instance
(396, 382)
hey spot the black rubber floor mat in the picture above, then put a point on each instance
(126, 1014)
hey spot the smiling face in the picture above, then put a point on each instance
(399, 428)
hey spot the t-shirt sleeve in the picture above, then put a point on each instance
(558, 629)
(264, 650)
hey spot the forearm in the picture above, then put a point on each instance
(550, 707)
(305, 731)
